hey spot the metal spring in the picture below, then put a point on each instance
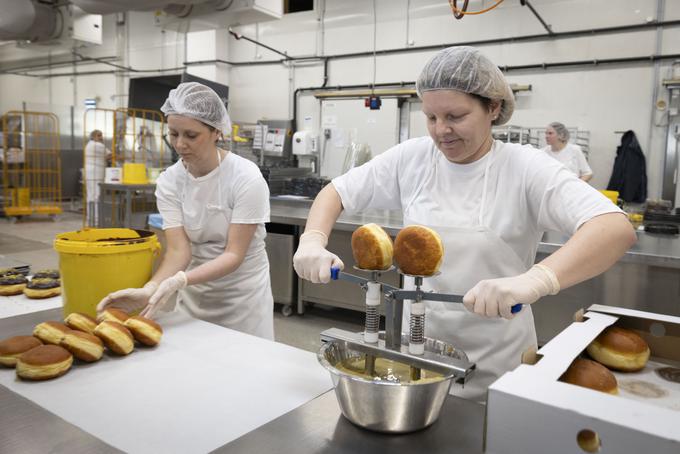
(372, 319)
(417, 328)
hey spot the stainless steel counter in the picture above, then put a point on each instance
(319, 427)
(650, 249)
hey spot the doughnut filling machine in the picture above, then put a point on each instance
(386, 381)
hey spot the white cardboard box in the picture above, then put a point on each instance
(530, 412)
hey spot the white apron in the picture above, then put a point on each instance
(471, 254)
(241, 300)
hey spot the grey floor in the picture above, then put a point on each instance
(29, 240)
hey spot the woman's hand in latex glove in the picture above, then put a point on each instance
(129, 299)
(161, 296)
(495, 297)
(312, 261)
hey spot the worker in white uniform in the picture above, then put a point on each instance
(214, 205)
(96, 155)
(490, 202)
(569, 154)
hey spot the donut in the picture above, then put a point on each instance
(8, 271)
(113, 315)
(619, 349)
(372, 247)
(12, 284)
(47, 273)
(44, 287)
(12, 347)
(116, 337)
(44, 362)
(84, 346)
(145, 330)
(50, 332)
(418, 250)
(590, 374)
(81, 322)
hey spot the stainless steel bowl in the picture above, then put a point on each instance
(386, 406)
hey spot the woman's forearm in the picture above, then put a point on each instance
(325, 210)
(587, 177)
(174, 260)
(595, 247)
(220, 266)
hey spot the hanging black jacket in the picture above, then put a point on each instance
(629, 175)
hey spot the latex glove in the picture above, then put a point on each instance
(129, 299)
(495, 297)
(312, 261)
(161, 296)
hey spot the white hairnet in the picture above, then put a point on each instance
(199, 102)
(465, 69)
(561, 131)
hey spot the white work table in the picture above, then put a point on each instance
(201, 388)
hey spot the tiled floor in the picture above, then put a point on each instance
(29, 240)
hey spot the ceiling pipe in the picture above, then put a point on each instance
(547, 27)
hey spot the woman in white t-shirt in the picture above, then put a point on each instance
(214, 205)
(569, 154)
(490, 202)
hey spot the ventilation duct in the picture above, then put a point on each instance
(119, 6)
(26, 20)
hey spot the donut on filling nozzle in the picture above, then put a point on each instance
(418, 250)
(372, 247)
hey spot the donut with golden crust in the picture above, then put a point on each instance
(81, 322)
(12, 347)
(620, 349)
(84, 346)
(50, 332)
(116, 336)
(145, 330)
(372, 247)
(418, 250)
(44, 362)
(590, 374)
(113, 315)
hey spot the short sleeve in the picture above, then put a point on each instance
(564, 201)
(373, 185)
(251, 202)
(168, 200)
(583, 166)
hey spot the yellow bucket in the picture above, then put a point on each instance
(134, 173)
(611, 195)
(96, 262)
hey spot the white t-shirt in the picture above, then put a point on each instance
(528, 193)
(244, 192)
(572, 157)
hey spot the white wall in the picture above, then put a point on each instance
(601, 99)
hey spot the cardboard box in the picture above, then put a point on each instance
(530, 412)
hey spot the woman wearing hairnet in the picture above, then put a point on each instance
(490, 201)
(214, 205)
(569, 154)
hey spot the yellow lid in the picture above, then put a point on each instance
(105, 241)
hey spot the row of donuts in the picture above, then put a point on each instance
(43, 284)
(49, 352)
(615, 348)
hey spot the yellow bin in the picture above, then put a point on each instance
(96, 262)
(134, 173)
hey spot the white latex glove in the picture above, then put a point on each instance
(129, 299)
(161, 296)
(495, 297)
(312, 261)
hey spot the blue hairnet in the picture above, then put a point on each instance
(465, 69)
(199, 102)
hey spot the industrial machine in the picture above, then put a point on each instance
(393, 404)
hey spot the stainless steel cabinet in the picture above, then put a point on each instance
(280, 244)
